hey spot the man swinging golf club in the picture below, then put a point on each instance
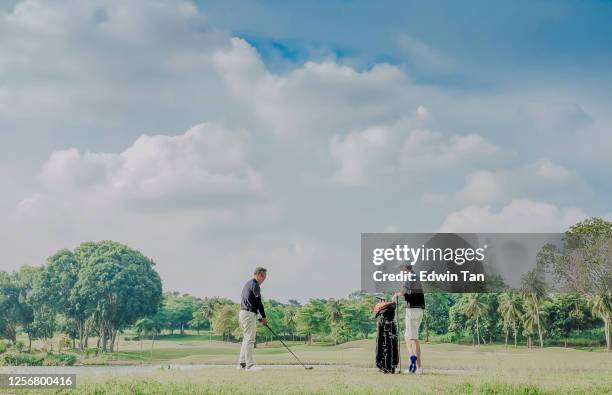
(412, 291)
(250, 305)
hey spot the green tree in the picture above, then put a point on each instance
(531, 318)
(584, 265)
(437, 312)
(564, 313)
(601, 306)
(13, 310)
(509, 306)
(56, 289)
(147, 327)
(179, 310)
(334, 317)
(533, 289)
(312, 319)
(289, 320)
(225, 320)
(120, 284)
(474, 308)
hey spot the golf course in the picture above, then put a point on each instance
(192, 364)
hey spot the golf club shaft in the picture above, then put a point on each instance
(287, 347)
(399, 337)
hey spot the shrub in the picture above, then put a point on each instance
(59, 359)
(19, 345)
(448, 338)
(22, 359)
(3, 347)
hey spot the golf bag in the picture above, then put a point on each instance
(387, 346)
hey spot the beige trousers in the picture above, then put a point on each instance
(248, 324)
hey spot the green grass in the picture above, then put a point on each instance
(449, 368)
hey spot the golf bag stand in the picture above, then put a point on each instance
(387, 340)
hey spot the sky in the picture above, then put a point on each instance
(216, 136)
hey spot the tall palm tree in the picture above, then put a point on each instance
(147, 327)
(510, 311)
(289, 320)
(533, 289)
(475, 308)
(601, 306)
(531, 318)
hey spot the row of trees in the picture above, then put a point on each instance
(485, 318)
(339, 319)
(100, 289)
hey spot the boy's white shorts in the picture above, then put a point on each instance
(414, 316)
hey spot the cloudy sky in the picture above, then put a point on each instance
(217, 136)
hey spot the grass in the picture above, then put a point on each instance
(449, 368)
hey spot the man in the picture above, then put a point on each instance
(250, 305)
(412, 291)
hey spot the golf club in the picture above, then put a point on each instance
(288, 349)
(399, 337)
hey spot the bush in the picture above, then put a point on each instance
(59, 359)
(3, 347)
(448, 338)
(14, 359)
(19, 345)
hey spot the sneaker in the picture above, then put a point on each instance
(253, 368)
(412, 367)
(418, 371)
(241, 366)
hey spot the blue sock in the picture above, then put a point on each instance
(412, 367)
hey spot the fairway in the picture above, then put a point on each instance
(347, 368)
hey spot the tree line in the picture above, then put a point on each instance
(103, 288)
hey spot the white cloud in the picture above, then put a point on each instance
(207, 159)
(535, 179)
(404, 146)
(315, 99)
(518, 216)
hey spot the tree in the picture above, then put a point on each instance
(179, 310)
(533, 289)
(436, 314)
(225, 320)
(289, 323)
(531, 318)
(334, 317)
(601, 306)
(56, 289)
(275, 316)
(584, 265)
(200, 320)
(13, 310)
(311, 319)
(357, 312)
(474, 308)
(120, 285)
(509, 305)
(564, 313)
(147, 327)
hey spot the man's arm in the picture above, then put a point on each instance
(258, 302)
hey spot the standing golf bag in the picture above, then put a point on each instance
(387, 346)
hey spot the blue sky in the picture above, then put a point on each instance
(216, 136)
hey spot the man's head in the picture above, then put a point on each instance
(260, 274)
(405, 267)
